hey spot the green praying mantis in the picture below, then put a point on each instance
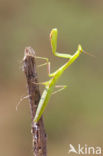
(51, 84)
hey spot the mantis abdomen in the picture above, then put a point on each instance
(43, 102)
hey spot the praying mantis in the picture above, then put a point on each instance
(51, 84)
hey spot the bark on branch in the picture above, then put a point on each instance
(38, 131)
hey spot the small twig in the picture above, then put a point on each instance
(38, 131)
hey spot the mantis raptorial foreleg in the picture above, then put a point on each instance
(53, 39)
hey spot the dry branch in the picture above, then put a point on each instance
(38, 131)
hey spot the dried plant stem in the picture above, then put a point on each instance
(38, 131)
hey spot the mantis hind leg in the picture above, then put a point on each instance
(62, 87)
(53, 40)
(41, 83)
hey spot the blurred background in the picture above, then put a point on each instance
(73, 116)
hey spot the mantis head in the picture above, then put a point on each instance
(80, 49)
(53, 39)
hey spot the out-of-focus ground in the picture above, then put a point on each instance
(74, 116)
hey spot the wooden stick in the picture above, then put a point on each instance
(38, 131)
